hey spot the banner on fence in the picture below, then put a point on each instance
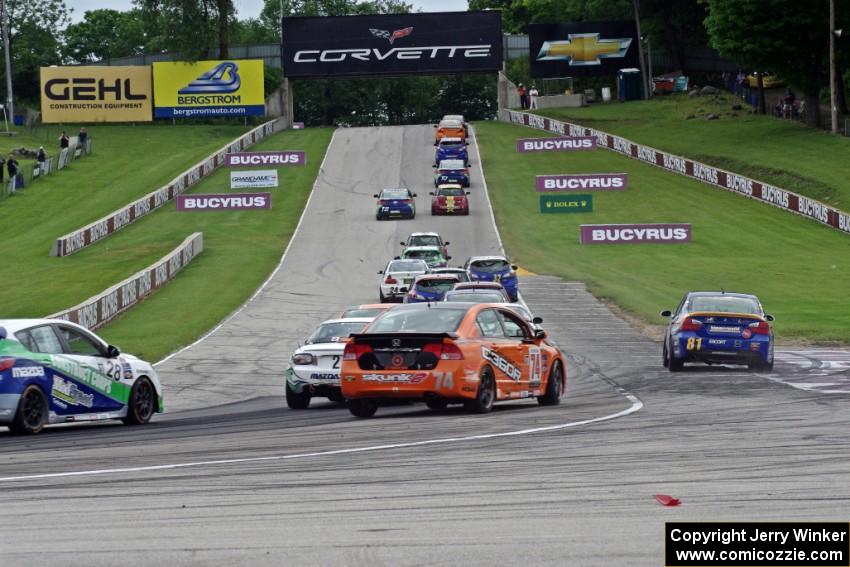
(96, 94)
(254, 179)
(581, 182)
(232, 202)
(208, 88)
(252, 159)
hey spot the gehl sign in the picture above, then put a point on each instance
(96, 94)
(392, 44)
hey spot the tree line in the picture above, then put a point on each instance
(789, 39)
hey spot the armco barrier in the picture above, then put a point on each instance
(105, 306)
(116, 220)
(764, 192)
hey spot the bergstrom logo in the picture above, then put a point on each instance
(583, 49)
(223, 78)
(391, 37)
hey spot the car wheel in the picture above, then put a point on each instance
(32, 412)
(552, 396)
(674, 364)
(486, 395)
(665, 361)
(382, 296)
(295, 400)
(362, 407)
(437, 404)
(336, 397)
(760, 366)
(142, 403)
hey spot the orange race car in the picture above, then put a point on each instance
(443, 353)
(449, 129)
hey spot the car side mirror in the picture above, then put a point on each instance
(448, 258)
(397, 258)
(666, 313)
(430, 192)
(537, 320)
(375, 195)
(539, 334)
(434, 166)
(403, 243)
(468, 193)
(380, 272)
(435, 143)
(446, 243)
(112, 351)
(414, 194)
(468, 163)
(514, 267)
(769, 317)
(403, 290)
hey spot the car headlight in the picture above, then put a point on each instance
(303, 359)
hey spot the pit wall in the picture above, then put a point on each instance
(744, 186)
(116, 220)
(105, 306)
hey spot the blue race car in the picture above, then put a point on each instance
(717, 327)
(54, 371)
(451, 148)
(395, 204)
(451, 171)
(494, 269)
(430, 287)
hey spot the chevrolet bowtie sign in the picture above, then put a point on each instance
(582, 48)
(392, 44)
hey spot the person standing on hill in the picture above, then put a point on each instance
(64, 140)
(82, 137)
(42, 160)
(12, 166)
(2, 168)
(533, 94)
(523, 98)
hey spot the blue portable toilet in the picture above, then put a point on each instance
(628, 84)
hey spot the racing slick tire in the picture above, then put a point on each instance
(142, 403)
(296, 401)
(382, 297)
(674, 364)
(437, 404)
(483, 402)
(32, 412)
(337, 398)
(665, 361)
(362, 407)
(552, 395)
(760, 366)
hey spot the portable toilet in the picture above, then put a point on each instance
(628, 84)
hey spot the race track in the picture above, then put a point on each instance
(251, 482)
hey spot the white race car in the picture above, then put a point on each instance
(397, 277)
(55, 371)
(314, 368)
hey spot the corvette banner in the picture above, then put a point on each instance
(392, 44)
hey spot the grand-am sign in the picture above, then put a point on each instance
(392, 44)
(253, 179)
(744, 186)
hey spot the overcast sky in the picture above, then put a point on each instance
(251, 8)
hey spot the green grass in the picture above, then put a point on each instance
(796, 266)
(240, 250)
(781, 152)
(127, 162)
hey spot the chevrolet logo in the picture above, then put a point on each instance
(582, 49)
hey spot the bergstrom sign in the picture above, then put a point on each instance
(392, 44)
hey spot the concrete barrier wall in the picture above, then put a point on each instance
(105, 306)
(727, 180)
(116, 220)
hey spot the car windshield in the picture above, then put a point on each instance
(408, 266)
(449, 164)
(461, 274)
(394, 194)
(450, 124)
(445, 144)
(423, 254)
(358, 312)
(424, 240)
(418, 320)
(334, 332)
(475, 297)
(450, 192)
(724, 304)
(489, 266)
(435, 285)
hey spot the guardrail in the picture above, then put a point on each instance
(727, 180)
(105, 306)
(113, 222)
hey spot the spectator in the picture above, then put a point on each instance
(740, 81)
(533, 94)
(64, 140)
(12, 166)
(523, 98)
(82, 137)
(2, 167)
(727, 80)
(42, 160)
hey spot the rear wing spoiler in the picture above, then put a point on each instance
(369, 337)
(722, 314)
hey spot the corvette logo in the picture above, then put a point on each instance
(223, 78)
(391, 37)
(582, 49)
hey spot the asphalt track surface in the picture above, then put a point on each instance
(250, 482)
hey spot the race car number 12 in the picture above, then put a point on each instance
(694, 343)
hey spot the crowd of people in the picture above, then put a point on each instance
(739, 84)
(11, 167)
(527, 97)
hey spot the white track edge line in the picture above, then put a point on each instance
(636, 405)
(274, 272)
(487, 193)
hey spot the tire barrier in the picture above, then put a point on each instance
(96, 311)
(116, 220)
(738, 184)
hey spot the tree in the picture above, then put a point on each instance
(789, 38)
(675, 24)
(105, 34)
(192, 27)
